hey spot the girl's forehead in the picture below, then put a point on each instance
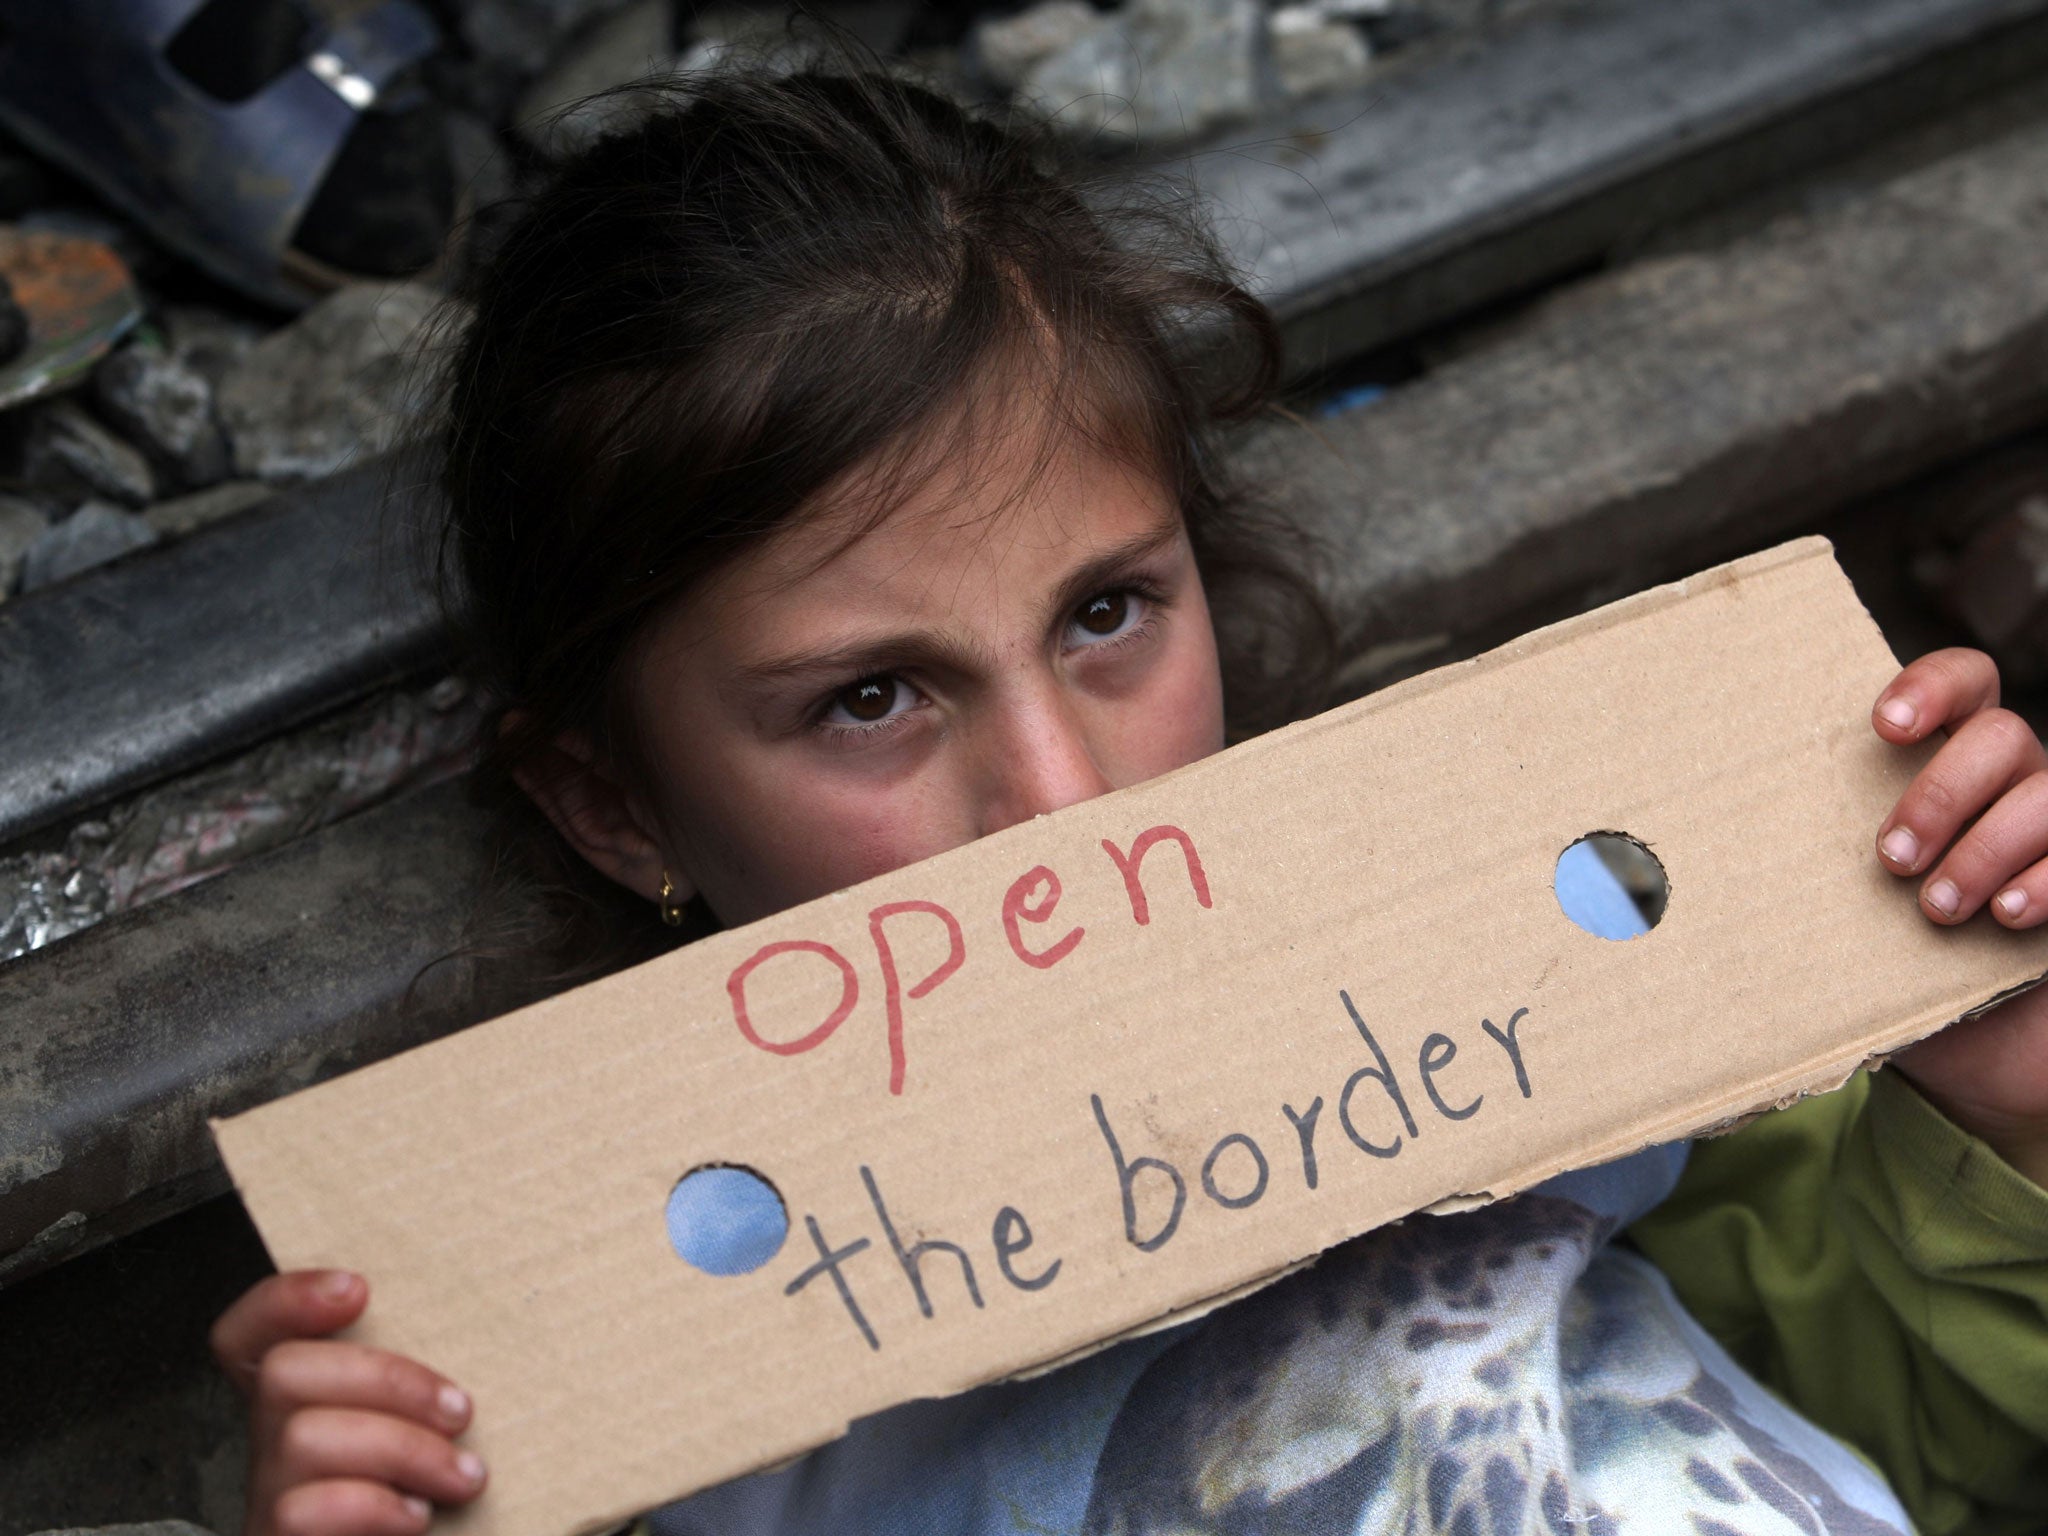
(997, 533)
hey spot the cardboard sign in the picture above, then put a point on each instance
(1102, 1069)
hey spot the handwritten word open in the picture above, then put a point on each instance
(1031, 898)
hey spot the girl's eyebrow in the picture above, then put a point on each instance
(885, 653)
(1114, 563)
(920, 648)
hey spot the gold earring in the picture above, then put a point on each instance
(671, 909)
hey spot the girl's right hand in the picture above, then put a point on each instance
(344, 1440)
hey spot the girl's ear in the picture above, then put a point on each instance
(598, 817)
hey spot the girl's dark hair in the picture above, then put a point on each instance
(743, 296)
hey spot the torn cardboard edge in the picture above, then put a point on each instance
(1091, 1025)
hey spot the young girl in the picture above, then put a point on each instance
(830, 485)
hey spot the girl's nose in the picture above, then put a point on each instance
(1040, 760)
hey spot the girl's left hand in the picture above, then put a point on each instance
(1973, 826)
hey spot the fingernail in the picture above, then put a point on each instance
(1944, 897)
(1901, 847)
(2012, 903)
(454, 1402)
(418, 1508)
(1899, 713)
(471, 1466)
(337, 1285)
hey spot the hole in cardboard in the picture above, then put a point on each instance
(726, 1220)
(1611, 885)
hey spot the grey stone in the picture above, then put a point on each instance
(1008, 48)
(1204, 58)
(93, 535)
(69, 456)
(554, 115)
(208, 342)
(524, 36)
(780, 38)
(1312, 55)
(159, 401)
(1085, 88)
(187, 514)
(739, 26)
(1157, 72)
(338, 384)
(943, 69)
(762, 36)
(21, 524)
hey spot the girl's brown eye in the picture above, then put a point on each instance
(869, 699)
(1106, 614)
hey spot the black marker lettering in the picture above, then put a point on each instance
(1126, 1174)
(1509, 1044)
(1305, 1128)
(1384, 1074)
(1012, 1235)
(829, 1260)
(1234, 1202)
(1435, 1055)
(912, 1259)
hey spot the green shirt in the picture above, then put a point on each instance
(1886, 1272)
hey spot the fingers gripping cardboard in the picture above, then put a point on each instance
(1106, 1067)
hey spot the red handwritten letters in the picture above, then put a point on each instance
(1031, 898)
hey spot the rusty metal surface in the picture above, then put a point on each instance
(80, 300)
(154, 665)
(120, 1042)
